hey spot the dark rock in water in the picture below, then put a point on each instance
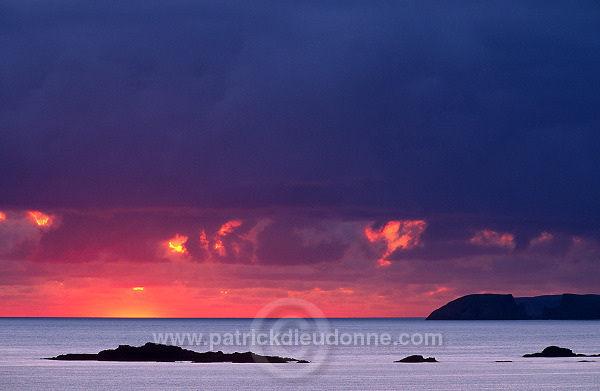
(303, 362)
(586, 361)
(554, 351)
(417, 358)
(503, 360)
(506, 307)
(168, 353)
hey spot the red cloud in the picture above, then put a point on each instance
(396, 234)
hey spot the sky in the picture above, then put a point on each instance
(204, 158)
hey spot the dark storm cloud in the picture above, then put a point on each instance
(416, 108)
(298, 243)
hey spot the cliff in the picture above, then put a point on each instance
(479, 307)
(505, 307)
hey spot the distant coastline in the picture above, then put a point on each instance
(491, 306)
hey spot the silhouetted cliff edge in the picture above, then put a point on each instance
(490, 306)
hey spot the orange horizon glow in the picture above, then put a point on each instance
(40, 218)
(177, 244)
(178, 302)
(2, 216)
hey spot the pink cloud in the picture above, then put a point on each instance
(396, 234)
(543, 238)
(488, 238)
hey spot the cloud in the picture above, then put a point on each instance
(488, 237)
(177, 244)
(225, 245)
(299, 242)
(41, 219)
(372, 106)
(396, 234)
(329, 261)
(226, 229)
(21, 233)
(543, 238)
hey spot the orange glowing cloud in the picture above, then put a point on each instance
(218, 244)
(2, 216)
(488, 238)
(396, 234)
(228, 227)
(40, 219)
(219, 247)
(177, 244)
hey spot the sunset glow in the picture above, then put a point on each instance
(203, 158)
(177, 244)
(40, 218)
(245, 259)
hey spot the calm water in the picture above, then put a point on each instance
(467, 357)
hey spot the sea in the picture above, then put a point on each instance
(471, 355)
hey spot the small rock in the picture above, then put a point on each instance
(553, 351)
(417, 358)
